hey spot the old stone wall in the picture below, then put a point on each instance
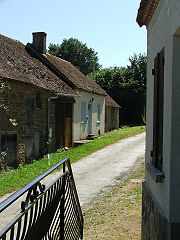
(13, 116)
(116, 123)
(153, 222)
(155, 225)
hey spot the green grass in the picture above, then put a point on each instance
(10, 181)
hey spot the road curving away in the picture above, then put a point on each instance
(102, 169)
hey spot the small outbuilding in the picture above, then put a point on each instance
(111, 114)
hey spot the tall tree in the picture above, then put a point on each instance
(77, 53)
(135, 77)
(127, 86)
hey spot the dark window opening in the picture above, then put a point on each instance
(9, 144)
(38, 101)
(30, 111)
(68, 110)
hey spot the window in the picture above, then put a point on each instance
(30, 111)
(98, 113)
(157, 152)
(83, 112)
(8, 142)
(38, 101)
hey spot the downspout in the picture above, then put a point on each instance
(48, 121)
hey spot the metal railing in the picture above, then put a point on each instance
(51, 212)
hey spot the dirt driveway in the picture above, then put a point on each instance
(101, 170)
(95, 173)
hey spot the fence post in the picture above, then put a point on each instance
(54, 212)
(62, 206)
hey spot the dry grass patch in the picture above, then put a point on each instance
(118, 214)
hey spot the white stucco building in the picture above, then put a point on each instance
(89, 115)
(161, 189)
(88, 110)
(80, 115)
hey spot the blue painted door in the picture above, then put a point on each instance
(90, 118)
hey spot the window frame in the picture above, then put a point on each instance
(83, 112)
(155, 167)
(98, 113)
(38, 101)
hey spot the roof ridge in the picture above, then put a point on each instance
(56, 57)
(17, 64)
(48, 64)
(78, 78)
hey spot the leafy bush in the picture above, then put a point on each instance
(3, 163)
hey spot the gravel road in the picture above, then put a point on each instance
(94, 173)
(103, 169)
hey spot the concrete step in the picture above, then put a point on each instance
(90, 137)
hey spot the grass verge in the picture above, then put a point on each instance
(10, 181)
(117, 215)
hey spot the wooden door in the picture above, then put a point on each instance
(60, 125)
(63, 125)
(68, 132)
(68, 125)
(9, 144)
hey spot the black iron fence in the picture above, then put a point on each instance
(51, 212)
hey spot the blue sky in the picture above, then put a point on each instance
(108, 26)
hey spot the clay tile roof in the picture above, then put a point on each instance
(17, 64)
(110, 102)
(80, 81)
(146, 11)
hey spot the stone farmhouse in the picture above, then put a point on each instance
(161, 189)
(46, 103)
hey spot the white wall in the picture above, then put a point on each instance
(162, 32)
(80, 130)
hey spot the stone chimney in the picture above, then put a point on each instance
(39, 41)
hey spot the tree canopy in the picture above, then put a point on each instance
(127, 86)
(77, 53)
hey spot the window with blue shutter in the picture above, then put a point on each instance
(83, 112)
(98, 113)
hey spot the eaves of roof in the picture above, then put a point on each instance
(109, 102)
(146, 11)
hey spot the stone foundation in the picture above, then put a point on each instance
(152, 220)
(154, 223)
